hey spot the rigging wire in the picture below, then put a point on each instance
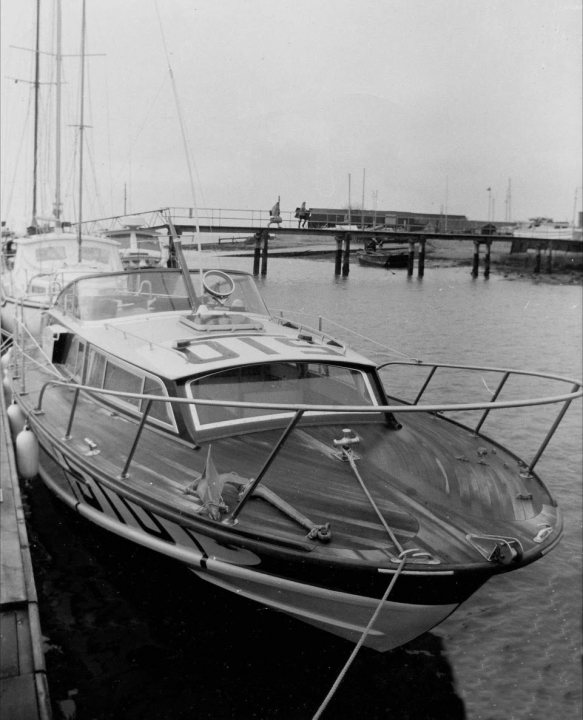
(19, 152)
(184, 140)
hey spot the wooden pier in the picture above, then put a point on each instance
(259, 225)
(24, 693)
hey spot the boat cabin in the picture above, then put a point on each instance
(140, 332)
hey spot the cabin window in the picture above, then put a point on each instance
(117, 378)
(288, 383)
(96, 372)
(48, 252)
(74, 360)
(158, 410)
(103, 373)
(97, 255)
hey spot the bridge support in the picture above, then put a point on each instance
(342, 259)
(476, 259)
(260, 252)
(550, 257)
(421, 258)
(264, 253)
(338, 257)
(411, 258)
(537, 260)
(346, 255)
(421, 264)
(487, 260)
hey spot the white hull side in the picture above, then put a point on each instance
(340, 613)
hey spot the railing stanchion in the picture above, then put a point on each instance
(551, 432)
(425, 384)
(72, 415)
(124, 472)
(492, 399)
(249, 490)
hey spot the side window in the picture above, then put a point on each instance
(71, 358)
(74, 359)
(78, 372)
(117, 378)
(158, 410)
(103, 373)
(96, 370)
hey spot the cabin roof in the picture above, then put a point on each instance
(166, 346)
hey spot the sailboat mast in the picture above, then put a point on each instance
(81, 129)
(36, 102)
(59, 59)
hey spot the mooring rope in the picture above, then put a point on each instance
(349, 456)
(362, 638)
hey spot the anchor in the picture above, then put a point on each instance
(316, 532)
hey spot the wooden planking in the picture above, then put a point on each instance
(20, 699)
(17, 652)
(12, 581)
(23, 685)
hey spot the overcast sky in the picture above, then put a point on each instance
(430, 102)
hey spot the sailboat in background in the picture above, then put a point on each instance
(35, 267)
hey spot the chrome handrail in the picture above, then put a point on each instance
(299, 409)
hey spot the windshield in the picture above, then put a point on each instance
(58, 254)
(304, 383)
(98, 297)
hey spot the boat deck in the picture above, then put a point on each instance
(433, 482)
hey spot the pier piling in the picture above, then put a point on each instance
(487, 260)
(476, 259)
(550, 258)
(411, 258)
(256, 254)
(537, 260)
(421, 265)
(264, 253)
(346, 256)
(338, 258)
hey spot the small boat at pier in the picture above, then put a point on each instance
(35, 268)
(138, 246)
(390, 256)
(541, 228)
(173, 409)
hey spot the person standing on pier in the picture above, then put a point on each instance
(302, 214)
(274, 214)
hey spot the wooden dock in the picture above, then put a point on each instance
(24, 691)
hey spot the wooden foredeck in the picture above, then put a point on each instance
(24, 691)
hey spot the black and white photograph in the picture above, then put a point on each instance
(291, 309)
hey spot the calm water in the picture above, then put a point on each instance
(132, 636)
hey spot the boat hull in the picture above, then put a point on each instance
(242, 572)
(342, 614)
(397, 259)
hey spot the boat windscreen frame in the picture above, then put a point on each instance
(370, 393)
